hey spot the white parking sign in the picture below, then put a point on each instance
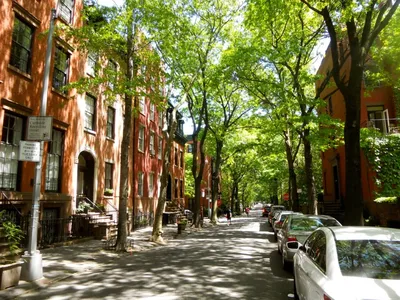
(39, 128)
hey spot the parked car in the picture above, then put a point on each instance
(274, 208)
(279, 218)
(295, 230)
(349, 263)
(266, 210)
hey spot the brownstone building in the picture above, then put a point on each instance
(81, 163)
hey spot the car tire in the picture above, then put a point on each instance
(296, 296)
(285, 263)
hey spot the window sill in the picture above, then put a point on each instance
(89, 131)
(140, 151)
(110, 139)
(19, 72)
(59, 93)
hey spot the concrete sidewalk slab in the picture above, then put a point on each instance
(62, 262)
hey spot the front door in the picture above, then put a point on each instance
(85, 176)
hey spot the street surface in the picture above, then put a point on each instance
(239, 261)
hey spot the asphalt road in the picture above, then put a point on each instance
(239, 261)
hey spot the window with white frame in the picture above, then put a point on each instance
(21, 47)
(61, 69)
(66, 9)
(151, 144)
(91, 64)
(90, 112)
(9, 149)
(142, 104)
(160, 119)
(160, 147)
(151, 184)
(152, 111)
(53, 162)
(141, 138)
(112, 74)
(110, 122)
(108, 178)
(140, 184)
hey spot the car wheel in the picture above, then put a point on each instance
(296, 296)
(285, 263)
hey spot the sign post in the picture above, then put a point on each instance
(32, 269)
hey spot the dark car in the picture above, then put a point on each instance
(266, 210)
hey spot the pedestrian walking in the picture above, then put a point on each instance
(228, 217)
(247, 211)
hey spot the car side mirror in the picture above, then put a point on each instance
(302, 248)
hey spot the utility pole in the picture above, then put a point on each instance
(32, 269)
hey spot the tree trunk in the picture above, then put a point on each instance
(294, 199)
(310, 182)
(215, 180)
(124, 172)
(354, 202)
(170, 124)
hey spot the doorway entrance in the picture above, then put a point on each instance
(85, 175)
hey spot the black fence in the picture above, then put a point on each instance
(142, 220)
(55, 230)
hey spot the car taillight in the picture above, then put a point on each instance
(291, 239)
(279, 223)
(327, 297)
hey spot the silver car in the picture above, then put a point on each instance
(279, 218)
(295, 231)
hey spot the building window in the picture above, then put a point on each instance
(160, 119)
(53, 163)
(9, 148)
(152, 111)
(108, 180)
(176, 157)
(181, 187)
(141, 139)
(112, 74)
(90, 112)
(176, 188)
(61, 66)
(21, 48)
(151, 144)
(182, 159)
(160, 149)
(91, 64)
(151, 184)
(110, 122)
(66, 10)
(142, 102)
(377, 118)
(140, 184)
(190, 148)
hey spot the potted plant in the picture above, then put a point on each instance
(182, 225)
(10, 262)
(108, 192)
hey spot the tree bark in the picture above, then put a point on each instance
(308, 161)
(120, 245)
(294, 199)
(215, 178)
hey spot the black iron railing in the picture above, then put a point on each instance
(142, 220)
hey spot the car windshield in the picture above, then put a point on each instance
(369, 258)
(310, 224)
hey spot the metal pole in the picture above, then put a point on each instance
(32, 268)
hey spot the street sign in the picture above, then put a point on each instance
(39, 128)
(286, 197)
(29, 151)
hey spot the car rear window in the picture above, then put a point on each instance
(310, 224)
(369, 258)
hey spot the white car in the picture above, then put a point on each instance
(348, 262)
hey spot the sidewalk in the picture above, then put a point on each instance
(62, 262)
